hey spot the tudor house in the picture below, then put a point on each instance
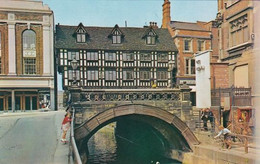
(26, 55)
(115, 57)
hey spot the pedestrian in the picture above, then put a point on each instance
(227, 136)
(65, 126)
(211, 118)
(204, 118)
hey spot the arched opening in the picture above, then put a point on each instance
(169, 127)
(29, 52)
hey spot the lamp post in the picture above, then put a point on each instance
(74, 64)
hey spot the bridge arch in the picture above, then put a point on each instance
(88, 128)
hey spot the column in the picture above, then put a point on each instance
(11, 49)
(13, 101)
(31, 106)
(52, 99)
(46, 51)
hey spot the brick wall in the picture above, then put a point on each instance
(219, 75)
(20, 28)
(4, 47)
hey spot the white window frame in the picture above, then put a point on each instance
(190, 46)
(110, 56)
(145, 75)
(116, 37)
(110, 75)
(201, 45)
(126, 74)
(92, 75)
(188, 66)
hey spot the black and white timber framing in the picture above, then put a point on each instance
(115, 57)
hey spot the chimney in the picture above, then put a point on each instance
(166, 13)
(153, 25)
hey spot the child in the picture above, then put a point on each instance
(226, 134)
(65, 126)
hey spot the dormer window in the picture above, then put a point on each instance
(150, 38)
(116, 37)
(81, 34)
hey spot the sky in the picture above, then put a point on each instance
(137, 13)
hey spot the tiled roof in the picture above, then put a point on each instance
(98, 39)
(186, 26)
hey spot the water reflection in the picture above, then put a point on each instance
(108, 147)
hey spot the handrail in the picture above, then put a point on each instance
(73, 142)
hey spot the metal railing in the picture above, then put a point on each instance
(237, 96)
(74, 151)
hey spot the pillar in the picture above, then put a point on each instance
(13, 101)
(46, 51)
(52, 99)
(11, 48)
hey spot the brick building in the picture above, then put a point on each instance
(26, 55)
(191, 38)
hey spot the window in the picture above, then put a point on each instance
(128, 75)
(74, 75)
(128, 57)
(150, 38)
(109, 56)
(162, 58)
(145, 57)
(29, 52)
(92, 56)
(144, 75)
(110, 75)
(239, 31)
(201, 45)
(73, 55)
(190, 66)
(92, 74)
(187, 45)
(162, 75)
(116, 38)
(81, 36)
(29, 66)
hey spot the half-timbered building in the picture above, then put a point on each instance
(115, 57)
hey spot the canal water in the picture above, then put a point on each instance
(109, 147)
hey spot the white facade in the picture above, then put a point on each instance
(203, 89)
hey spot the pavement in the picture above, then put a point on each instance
(9, 119)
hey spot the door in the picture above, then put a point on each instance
(34, 102)
(27, 103)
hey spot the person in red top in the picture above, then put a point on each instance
(65, 126)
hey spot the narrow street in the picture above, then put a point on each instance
(30, 138)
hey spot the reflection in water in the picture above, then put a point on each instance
(108, 147)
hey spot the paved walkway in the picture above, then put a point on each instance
(9, 119)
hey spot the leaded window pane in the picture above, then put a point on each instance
(29, 66)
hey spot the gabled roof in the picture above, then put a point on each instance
(98, 39)
(80, 26)
(149, 29)
(186, 26)
(116, 28)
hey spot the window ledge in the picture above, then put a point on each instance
(239, 47)
(187, 51)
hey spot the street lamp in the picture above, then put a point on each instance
(74, 64)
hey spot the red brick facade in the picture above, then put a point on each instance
(20, 28)
(4, 48)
